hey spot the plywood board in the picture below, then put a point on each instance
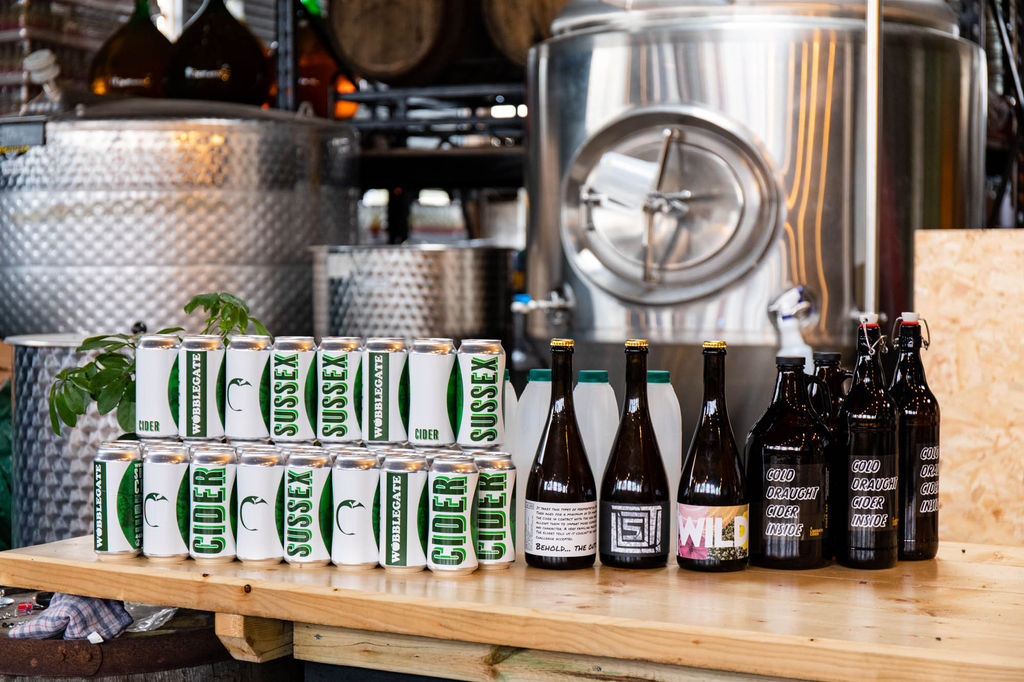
(969, 285)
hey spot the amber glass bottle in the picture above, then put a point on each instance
(561, 499)
(865, 470)
(918, 412)
(713, 505)
(634, 508)
(218, 58)
(319, 66)
(133, 61)
(787, 476)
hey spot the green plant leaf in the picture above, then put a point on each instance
(126, 411)
(94, 342)
(76, 399)
(110, 396)
(171, 330)
(54, 416)
(113, 360)
(207, 301)
(104, 378)
(258, 326)
(66, 414)
(233, 300)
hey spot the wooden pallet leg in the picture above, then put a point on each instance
(258, 640)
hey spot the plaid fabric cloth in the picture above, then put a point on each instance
(77, 617)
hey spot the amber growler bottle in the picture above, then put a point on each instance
(133, 61)
(865, 470)
(918, 412)
(713, 510)
(561, 499)
(217, 58)
(787, 476)
(634, 505)
(320, 69)
(828, 370)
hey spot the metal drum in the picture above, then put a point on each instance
(52, 475)
(129, 209)
(692, 161)
(459, 291)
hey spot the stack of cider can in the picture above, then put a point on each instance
(355, 453)
(451, 511)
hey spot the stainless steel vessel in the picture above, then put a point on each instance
(52, 475)
(691, 161)
(128, 209)
(458, 291)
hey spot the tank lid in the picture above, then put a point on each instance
(69, 340)
(588, 14)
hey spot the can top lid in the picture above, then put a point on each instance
(539, 375)
(659, 376)
(436, 346)
(202, 337)
(636, 343)
(593, 376)
(827, 356)
(295, 343)
(562, 343)
(158, 340)
(123, 444)
(714, 345)
(249, 342)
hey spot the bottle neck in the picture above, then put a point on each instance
(142, 10)
(561, 379)
(867, 370)
(909, 363)
(636, 381)
(714, 385)
(791, 389)
(311, 6)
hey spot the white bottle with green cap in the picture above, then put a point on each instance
(597, 414)
(510, 410)
(667, 419)
(532, 416)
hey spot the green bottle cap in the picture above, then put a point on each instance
(593, 376)
(313, 7)
(508, 375)
(658, 376)
(539, 375)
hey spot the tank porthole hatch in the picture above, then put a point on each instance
(668, 205)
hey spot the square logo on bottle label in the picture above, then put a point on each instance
(635, 529)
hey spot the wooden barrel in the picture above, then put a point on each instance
(511, 26)
(419, 42)
(543, 12)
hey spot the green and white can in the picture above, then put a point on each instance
(385, 391)
(338, 363)
(355, 480)
(247, 388)
(213, 503)
(117, 497)
(156, 386)
(451, 548)
(201, 387)
(495, 520)
(260, 483)
(403, 516)
(479, 403)
(432, 393)
(165, 501)
(309, 512)
(293, 390)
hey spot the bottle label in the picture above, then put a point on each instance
(794, 500)
(927, 479)
(634, 529)
(713, 532)
(873, 493)
(561, 530)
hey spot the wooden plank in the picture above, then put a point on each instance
(253, 639)
(968, 285)
(6, 362)
(946, 617)
(483, 662)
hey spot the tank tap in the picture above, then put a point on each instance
(558, 306)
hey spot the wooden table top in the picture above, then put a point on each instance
(961, 615)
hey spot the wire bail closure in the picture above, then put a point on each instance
(925, 342)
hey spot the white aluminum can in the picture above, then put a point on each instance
(309, 514)
(156, 386)
(165, 502)
(338, 362)
(211, 506)
(431, 403)
(247, 388)
(201, 387)
(480, 386)
(385, 381)
(356, 483)
(293, 390)
(403, 514)
(260, 496)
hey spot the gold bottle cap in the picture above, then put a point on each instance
(636, 343)
(714, 344)
(562, 343)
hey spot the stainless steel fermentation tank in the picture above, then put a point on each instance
(128, 209)
(692, 161)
